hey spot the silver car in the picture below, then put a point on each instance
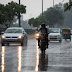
(55, 34)
(13, 34)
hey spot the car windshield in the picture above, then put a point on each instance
(13, 31)
(65, 30)
(54, 30)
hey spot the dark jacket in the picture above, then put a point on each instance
(46, 30)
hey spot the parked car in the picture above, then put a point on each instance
(55, 34)
(14, 34)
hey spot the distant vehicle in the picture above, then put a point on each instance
(55, 34)
(13, 34)
(66, 32)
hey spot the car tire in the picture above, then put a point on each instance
(21, 43)
(60, 41)
(3, 44)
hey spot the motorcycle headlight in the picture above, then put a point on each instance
(3, 36)
(37, 34)
(19, 37)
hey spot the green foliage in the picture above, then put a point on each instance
(41, 20)
(31, 21)
(67, 6)
(53, 16)
(37, 21)
(13, 9)
(2, 14)
(8, 12)
(50, 17)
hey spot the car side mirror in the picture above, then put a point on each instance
(23, 32)
(60, 31)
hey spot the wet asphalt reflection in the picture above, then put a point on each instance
(57, 58)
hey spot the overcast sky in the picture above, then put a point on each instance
(34, 7)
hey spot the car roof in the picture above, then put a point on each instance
(66, 28)
(15, 28)
(54, 28)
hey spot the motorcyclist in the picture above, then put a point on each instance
(43, 29)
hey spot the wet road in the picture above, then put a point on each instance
(15, 58)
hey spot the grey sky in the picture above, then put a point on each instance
(34, 7)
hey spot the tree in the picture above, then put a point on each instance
(67, 6)
(50, 17)
(41, 19)
(53, 16)
(8, 12)
(31, 21)
(13, 9)
(37, 21)
(2, 14)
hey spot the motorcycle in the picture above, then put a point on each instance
(42, 43)
(37, 35)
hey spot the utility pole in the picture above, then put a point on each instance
(53, 3)
(19, 17)
(42, 8)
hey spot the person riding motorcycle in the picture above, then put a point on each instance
(44, 30)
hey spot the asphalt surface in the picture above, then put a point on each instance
(57, 58)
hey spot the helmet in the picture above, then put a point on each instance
(43, 25)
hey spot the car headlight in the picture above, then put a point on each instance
(19, 37)
(3, 36)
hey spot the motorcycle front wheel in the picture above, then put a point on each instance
(43, 48)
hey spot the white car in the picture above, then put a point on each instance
(55, 34)
(13, 34)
